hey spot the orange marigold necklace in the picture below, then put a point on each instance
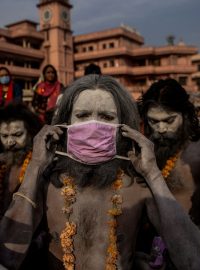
(170, 164)
(24, 166)
(69, 191)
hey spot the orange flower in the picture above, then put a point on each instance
(68, 258)
(70, 228)
(67, 210)
(117, 199)
(24, 167)
(117, 184)
(69, 193)
(66, 242)
(170, 164)
(112, 223)
(115, 212)
(69, 266)
(111, 267)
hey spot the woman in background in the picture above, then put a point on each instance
(9, 91)
(46, 92)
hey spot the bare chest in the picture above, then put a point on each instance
(90, 214)
(181, 184)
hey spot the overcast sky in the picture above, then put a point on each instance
(154, 19)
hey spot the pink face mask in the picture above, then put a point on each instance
(91, 142)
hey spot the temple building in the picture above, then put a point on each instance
(25, 47)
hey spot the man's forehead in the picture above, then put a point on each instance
(12, 126)
(161, 112)
(92, 97)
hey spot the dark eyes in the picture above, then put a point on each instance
(106, 117)
(14, 135)
(152, 121)
(103, 116)
(82, 115)
(4, 136)
(168, 121)
(18, 134)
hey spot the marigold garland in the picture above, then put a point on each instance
(24, 166)
(69, 193)
(170, 164)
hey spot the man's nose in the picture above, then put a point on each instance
(161, 128)
(11, 141)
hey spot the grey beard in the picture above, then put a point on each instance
(99, 176)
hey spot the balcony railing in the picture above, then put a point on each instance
(6, 47)
(144, 70)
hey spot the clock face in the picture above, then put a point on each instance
(64, 15)
(47, 15)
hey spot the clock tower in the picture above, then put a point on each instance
(58, 43)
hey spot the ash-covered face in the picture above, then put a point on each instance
(13, 135)
(96, 105)
(165, 124)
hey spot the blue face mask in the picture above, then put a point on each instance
(5, 79)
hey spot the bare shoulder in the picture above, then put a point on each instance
(191, 157)
(191, 152)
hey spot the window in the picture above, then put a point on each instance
(112, 63)
(104, 46)
(105, 64)
(111, 45)
(91, 48)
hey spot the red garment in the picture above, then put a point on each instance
(6, 98)
(51, 91)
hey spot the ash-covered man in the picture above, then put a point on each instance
(89, 192)
(171, 123)
(18, 126)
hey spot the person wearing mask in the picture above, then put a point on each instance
(83, 179)
(9, 91)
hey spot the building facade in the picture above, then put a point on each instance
(120, 52)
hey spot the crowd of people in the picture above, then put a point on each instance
(90, 179)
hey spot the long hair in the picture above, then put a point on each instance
(126, 109)
(19, 111)
(7, 70)
(45, 69)
(170, 95)
(126, 106)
